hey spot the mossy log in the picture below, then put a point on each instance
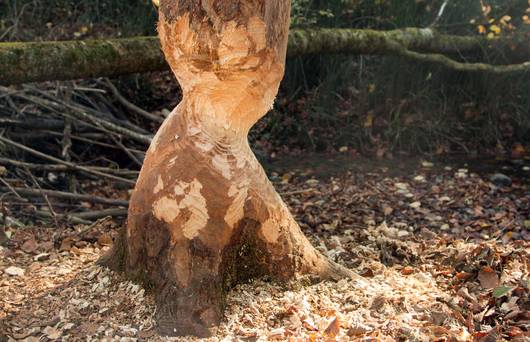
(63, 60)
(23, 62)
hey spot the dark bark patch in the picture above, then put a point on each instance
(227, 10)
(173, 9)
(116, 256)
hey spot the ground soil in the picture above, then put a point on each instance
(443, 252)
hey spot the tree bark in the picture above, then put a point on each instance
(203, 216)
(46, 61)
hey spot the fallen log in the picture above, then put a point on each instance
(22, 62)
(43, 61)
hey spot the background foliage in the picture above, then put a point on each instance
(376, 105)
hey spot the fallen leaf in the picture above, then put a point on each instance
(387, 210)
(368, 122)
(333, 327)
(463, 275)
(29, 246)
(407, 270)
(146, 334)
(415, 204)
(277, 333)
(358, 329)
(488, 278)
(510, 306)
(66, 244)
(514, 332)
(500, 291)
(367, 272)
(105, 239)
(486, 336)
(309, 324)
(419, 178)
(401, 186)
(52, 333)
(14, 271)
(46, 246)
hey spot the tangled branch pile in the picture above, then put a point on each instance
(60, 142)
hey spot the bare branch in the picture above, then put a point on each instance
(59, 161)
(452, 64)
(131, 106)
(67, 195)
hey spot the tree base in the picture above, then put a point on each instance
(198, 308)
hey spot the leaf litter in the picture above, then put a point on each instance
(444, 257)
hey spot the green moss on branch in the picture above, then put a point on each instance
(45, 61)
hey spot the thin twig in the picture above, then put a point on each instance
(67, 195)
(10, 187)
(60, 161)
(97, 214)
(440, 14)
(126, 150)
(64, 168)
(295, 192)
(96, 223)
(82, 114)
(66, 217)
(131, 106)
(53, 213)
(452, 64)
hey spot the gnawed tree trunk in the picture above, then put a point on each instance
(203, 216)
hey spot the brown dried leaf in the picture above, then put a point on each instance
(367, 272)
(52, 333)
(488, 278)
(387, 210)
(333, 327)
(46, 246)
(66, 244)
(407, 270)
(105, 239)
(29, 246)
(463, 275)
(515, 332)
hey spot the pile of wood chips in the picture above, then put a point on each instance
(455, 291)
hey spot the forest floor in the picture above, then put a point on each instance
(443, 251)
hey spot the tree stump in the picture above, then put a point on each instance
(204, 216)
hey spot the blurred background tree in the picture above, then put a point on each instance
(396, 104)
